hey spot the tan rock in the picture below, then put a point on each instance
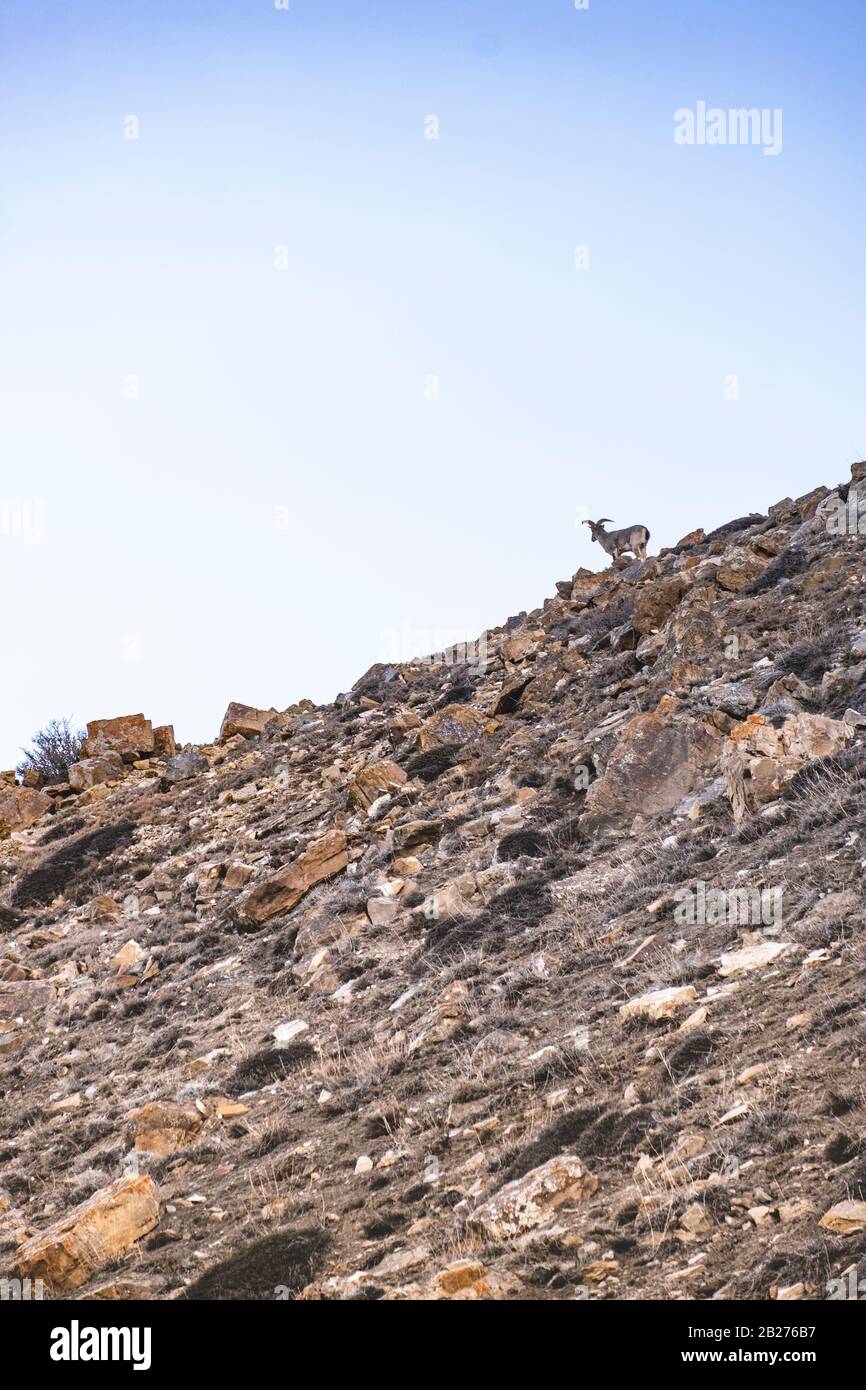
(236, 875)
(660, 1004)
(382, 911)
(130, 735)
(753, 957)
(408, 866)
(285, 889)
(374, 781)
(25, 998)
(127, 958)
(451, 900)
(453, 724)
(415, 833)
(91, 771)
(825, 569)
(797, 1021)
(697, 1220)
(759, 760)
(598, 1271)
(586, 585)
(517, 647)
(67, 1106)
(460, 1274)
(91, 1236)
(739, 568)
(655, 603)
(21, 807)
(532, 1200)
(659, 759)
(161, 1127)
(164, 744)
(105, 908)
(245, 720)
(695, 1020)
(845, 1218)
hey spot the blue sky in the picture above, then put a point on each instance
(281, 378)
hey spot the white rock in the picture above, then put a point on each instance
(284, 1033)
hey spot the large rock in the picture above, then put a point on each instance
(284, 889)
(754, 957)
(91, 1236)
(25, 998)
(453, 724)
(184, 766)
(374, 781)
(162, 1127)
(533, 1199)
(661, 1004)
(656, 602)
(245, 720)
(129, 735)
(739, 569)
(21, 807)
(759, 759)
(659, 759)
(845, 1219)
(164, 744)
(92, 771)
(695, 632)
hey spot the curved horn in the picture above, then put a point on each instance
(602, 519)
(587, 523)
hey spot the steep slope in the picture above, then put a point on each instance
(534, 970)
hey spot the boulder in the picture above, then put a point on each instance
(845, 1219)
(656, 602)
(660, 758)
(415, 833)
(532, 1200)
(25, 998)
(758, 759)
(21, 807)
(808, 504)
(162, 1127)
(753, 957)
(164, 744)
(245, 720)
(694, 633)
(739, 569)
(585, 585)
(453, 724)
(129, 735)
(283, 890)
(91, 1236)
(375, 781)
(184, 766)
(92, 771)
(661, 1004)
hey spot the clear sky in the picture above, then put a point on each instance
(287, 385)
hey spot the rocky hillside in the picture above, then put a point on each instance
(532, 970)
